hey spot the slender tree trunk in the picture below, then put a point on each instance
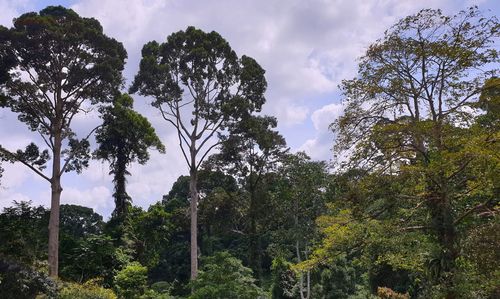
(121, 196)
(193, 190)
(308, 277)
(54, 207)
(255, 259)
(304, 291)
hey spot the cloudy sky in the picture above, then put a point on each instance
(306, 47)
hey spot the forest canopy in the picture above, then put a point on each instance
(407, 207)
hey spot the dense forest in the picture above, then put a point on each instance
(408, 207)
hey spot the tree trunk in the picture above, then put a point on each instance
(255, 259)
(442, 223)
(54, 208)
(304, 291)
(193, 190)
(121, 196)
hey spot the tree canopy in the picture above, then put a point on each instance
(200, 86)
(53, 62)
(125, 137)
(407, 208)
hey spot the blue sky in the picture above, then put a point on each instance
(306, 47)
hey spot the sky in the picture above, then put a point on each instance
(306, 47)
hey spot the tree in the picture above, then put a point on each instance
(62, 62)
(173, 264)
(221, 212)
(7, 62)
(150, 233)
(79, 227)
(301, 201)
(23, 231)
(124, 137)
(93, 257)
(251, 150)
(78, 222)
(408, 114)
(199, 85)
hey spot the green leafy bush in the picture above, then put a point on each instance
(131, 282)
(20, 281)
(224, 276)
(88, 290)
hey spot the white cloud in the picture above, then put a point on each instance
(289, 113)
(11, 9)
(323, 117)
(149, 182)
(319, 147)
(15, 175)
(9, 198)
(305, 46)
(98, 197)
(97, 172)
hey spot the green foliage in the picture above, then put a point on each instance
(200, 59)
(33, 156)
(201, 87)
(150, 233)
(93, 256)
(387, 293)
(223, 276)
(56, 63)
(251, 150)
(413, 125)
(479, 267)
(88, 290)
(78, 221)
(283, 279)
(91, 72)
(338, 279)
(85, 252)
(124, 137)
(23, 231)
(412, 210)
(131, 281)
(21, 281)
(158, 290)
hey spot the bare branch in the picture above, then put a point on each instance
(206, 153)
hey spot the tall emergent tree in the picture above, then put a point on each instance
(252, 150)
(199, 85)
(59, 65)
(124, 137)
(302, 191)
(407, 114)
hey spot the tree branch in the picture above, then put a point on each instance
(16, 158)
(63, 169)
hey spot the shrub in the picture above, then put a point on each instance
(88, 290)
(20, 281)
(224, 276)
(131, 282)
(387, 293)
